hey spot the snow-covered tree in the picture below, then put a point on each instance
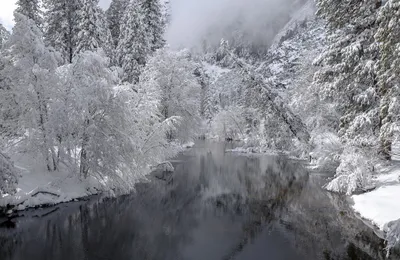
(229, 123)
(8, 175)
(166, 11)
(388, 35)
(173, 74)
(93, 28)
(29, 76)
(4, 35)
(31, 9)
(348, 79)
(114, 15)
(134, 43)
(348, 76)
(282, 124)
(153, 19)
(92, 107)
(61, 30)
(115, 132)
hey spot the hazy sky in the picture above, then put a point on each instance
(8, 6)
(195, 20)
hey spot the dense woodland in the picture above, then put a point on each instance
(101, 93)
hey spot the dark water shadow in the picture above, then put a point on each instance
(218, 205)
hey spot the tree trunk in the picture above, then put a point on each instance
(84, 166)
(386, 148)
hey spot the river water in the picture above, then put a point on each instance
(216, 205)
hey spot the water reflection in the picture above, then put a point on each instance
(218, 206)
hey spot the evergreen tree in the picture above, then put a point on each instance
(90, 28)
(134, 44)
(61, 26)
(348, 77)
(166, 12)
(106, 39)
(4, 35)
(154, 21)
(31, 9)
(114, 15)
(388, 36)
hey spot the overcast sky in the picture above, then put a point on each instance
(8, 6)
(195, 20)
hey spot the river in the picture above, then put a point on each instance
(216, 205)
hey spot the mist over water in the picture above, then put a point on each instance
(255, 21)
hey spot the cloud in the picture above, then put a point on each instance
(105, 4)
(193, 21)
(7, 13)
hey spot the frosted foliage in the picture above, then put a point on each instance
(229, 123)
(93, 28)
(327, 148)
(348, 74)
(8, 175)
(154, 22)
(134, 43)
(114, 16)
(389, 73)
(4, 35)
(61, 30)
(30, 68)
(31, 9)
(103, 122)
(173, 74)
(353, 174)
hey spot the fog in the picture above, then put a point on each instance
(104, 4)
(194, 21)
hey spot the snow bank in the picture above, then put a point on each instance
(37, 186)
(381, 206)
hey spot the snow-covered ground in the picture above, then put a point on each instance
(381, 206)
(36, 186)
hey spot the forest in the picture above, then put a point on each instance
(91, 100)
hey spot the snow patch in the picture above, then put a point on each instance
(380, 206)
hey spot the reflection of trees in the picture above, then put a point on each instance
(158, 221)
(319, 225)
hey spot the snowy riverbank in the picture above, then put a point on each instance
(381, 206)
(37, 187)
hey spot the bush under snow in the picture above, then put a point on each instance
(353, 174)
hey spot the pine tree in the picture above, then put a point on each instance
(348, 76)
(4, 35)
(104, 32)
(154, 21)
(93, 32)
(31, 9)
(388, 36)
(134, 44)
(166, 12)
(61, 26)
(114, 15)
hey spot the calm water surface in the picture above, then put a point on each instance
(217, 205)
